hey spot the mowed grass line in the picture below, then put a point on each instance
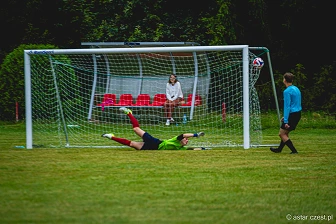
(226, 185)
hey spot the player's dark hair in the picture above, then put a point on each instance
(175, 78)
(180, 137)
(288, 77)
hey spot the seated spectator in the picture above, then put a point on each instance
(174, 97)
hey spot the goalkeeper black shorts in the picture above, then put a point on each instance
(151, 143)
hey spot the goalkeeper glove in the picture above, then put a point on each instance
(199, 134)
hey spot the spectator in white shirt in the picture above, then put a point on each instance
(174, 97)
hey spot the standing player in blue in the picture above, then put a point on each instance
(292, 113)
(151, 143)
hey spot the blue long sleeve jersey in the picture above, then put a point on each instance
(292, 101)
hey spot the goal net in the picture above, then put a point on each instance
(73, 96)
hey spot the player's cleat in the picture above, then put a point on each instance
(168, 122)
(199, 134)
(125, 110)
(293, 153)
(200, 148)
(275, 150)
(109, 136)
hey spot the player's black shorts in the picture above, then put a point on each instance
(293, 121)
(151, 143)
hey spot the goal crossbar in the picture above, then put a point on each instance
(138, 50)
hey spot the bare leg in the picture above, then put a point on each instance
(168, 110)
(174, 104)
(283, 134)
(169, 107)
(137, 145)
(139, 131)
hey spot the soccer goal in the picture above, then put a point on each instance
(74, 95)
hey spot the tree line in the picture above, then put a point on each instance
(297, 33)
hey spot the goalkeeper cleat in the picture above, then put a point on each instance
(200, 148)
(125, 110)
(109, 136)
(199, 134)
(168, 122)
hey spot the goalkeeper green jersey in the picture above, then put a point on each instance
(172, 144)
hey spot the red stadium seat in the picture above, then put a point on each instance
(159, 99)
(198, 100)
(125, 100)
(109, 99)
(142, 100)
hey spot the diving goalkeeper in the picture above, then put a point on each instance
(151, 143)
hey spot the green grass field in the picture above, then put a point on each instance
(223, 185)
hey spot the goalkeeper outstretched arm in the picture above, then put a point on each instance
(190, 135)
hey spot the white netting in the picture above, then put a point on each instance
(68, 106)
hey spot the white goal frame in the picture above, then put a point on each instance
(245, 65)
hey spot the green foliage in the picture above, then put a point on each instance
(300, 80)
(318, 120)
(324, 89)
(318, 93)
(12, 81)
(219, 26)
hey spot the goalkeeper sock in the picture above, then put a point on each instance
(134, 121)
(290, 145)
(122, 141)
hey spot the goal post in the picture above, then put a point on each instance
(65, 91)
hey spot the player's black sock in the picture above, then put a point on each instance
(282, 144)
(290, 145)
(279, 149)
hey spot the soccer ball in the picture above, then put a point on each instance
(258, 63)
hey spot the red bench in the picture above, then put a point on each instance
(142, 100)
(198, 101)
